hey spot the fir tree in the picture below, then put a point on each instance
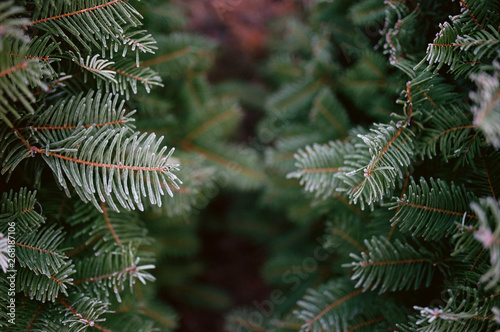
(406, 191)
(83, 186)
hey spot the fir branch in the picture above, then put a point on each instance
(332, 306)
(319, 165)
(161, 169)
(349, 239)
(129, 270)
(434, 211)
(157, 317)
(394, 266)
(403, 203)
(22, 65)
(366, 323)
(405, 186)
(78, 12)
(488, 177)
(30, 326)
(108, 224)
(66, 127)
(389, 146)
(128, 191)
(328, 305)
(212, 122)
(166, 57)
(86, 321)
(46, 58)
(222, 161)
(20, 206)
(470, 14)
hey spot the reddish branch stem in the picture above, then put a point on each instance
(333, 305)
(89, 163)
(10, 70)
(74, 13)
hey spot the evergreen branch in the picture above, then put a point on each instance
(491, 105)
(83, 246)
(143, 157)
(466, 310)
(403, 203)
(450, 130)
(98, 67)
(433, 103)
(91, 111)
(393, 266)
(295, 97)
(389, 146)
(87, 321)
(212, 122)
(372, 165)
(23, 64)
(108, 224)
(135, 77)
(131, 269)
(488, 235)
(321, 170)
(21, 207)
(433, 211)
(157, 317)
(66, 127)
(332, 110)
(409, 101)
(18, 78)
(161, 169)
(471, 15)
(128, 75)
(405, 186)
(111, 271)
(223, 161)
(101, 24)
(46, 58)
(332, 306)
(352, 207)
(366, 323)
(472, 267)
(58, 81)
(461, 45)
(330, 118)
(166, 57)
(489, 178)
(30, 326)
(37, 249)
(486, 107)
(27, 210)
(349, 239)
(404, 261)
(48, 285)
(78, 12)
(319, 165)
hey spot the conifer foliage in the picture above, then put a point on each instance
(75, 168)
(392, 110)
